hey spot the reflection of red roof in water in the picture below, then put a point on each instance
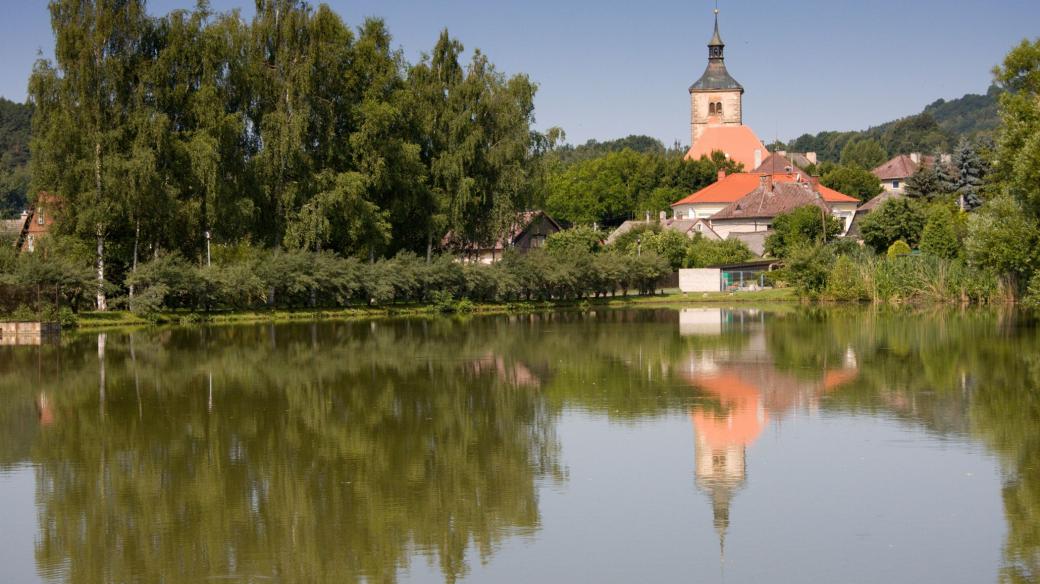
(742, 418)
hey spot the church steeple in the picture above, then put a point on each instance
(716, 46)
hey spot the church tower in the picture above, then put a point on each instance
(716, 98)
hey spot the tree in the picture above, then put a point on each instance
(896, 219)
(865, 154)
(804, 226)
(84, 101)
(583, 239)
(1004, 238)
(943, 234)
(971, 172)
(853, 181)
(1017, 172)
(702, 252)
(923, 184)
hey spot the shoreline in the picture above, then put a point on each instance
(119, 319)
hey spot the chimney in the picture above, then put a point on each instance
(782, 153)
(758, 158)
(915, 157)
(766, 182)
(815, 182)
(811, 157)
(722, 173)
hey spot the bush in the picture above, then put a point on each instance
(845, 281)
(899, 248)
(1032, 296)
(804, 226)
(896, 219)
(808, 268)
(943, 233)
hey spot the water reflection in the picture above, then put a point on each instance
(348, 452)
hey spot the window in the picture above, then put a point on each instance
(30, 244)
(895, 184)
(39, 217)
(718, 108)
(711, 108)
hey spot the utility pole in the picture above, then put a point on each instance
(208, 262)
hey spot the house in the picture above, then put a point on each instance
(12, 231)
(688, 227)
(717, 110)
(894, 173)
(529, 231)
(729, 189)
(41, 219)
(787, 162)
(756, 211)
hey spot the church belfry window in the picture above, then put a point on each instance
(718, 108)
(711, 108)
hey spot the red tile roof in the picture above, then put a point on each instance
(734, 187)
(766, 203)
(737, 142)
(901, 167)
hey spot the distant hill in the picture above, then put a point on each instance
(939, 127)
(15, 128)
(569, 154)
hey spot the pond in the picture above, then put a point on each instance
(793, 444)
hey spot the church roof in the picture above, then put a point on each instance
(716, 78)
(739, 143)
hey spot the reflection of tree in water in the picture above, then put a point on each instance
(973, 374)
(310, 466)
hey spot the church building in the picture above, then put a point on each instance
(717, 112)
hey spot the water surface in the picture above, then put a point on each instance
(702, 445)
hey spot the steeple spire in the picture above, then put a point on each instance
(716, 46)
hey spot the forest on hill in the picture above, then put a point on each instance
(15, 130)
(940, 126)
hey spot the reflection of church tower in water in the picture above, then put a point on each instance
(721, 438)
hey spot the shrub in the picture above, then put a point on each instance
(896, 219)
(801, 227)
(845, 281)
(1032, 296)
(899, 248)
(808, 268)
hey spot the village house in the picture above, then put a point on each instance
(894, 173)
(529, 231)
(26, 232)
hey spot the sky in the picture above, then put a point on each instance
(610, 68)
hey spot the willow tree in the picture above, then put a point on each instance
(85, 98)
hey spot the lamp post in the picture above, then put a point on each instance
(639, 247)
(208, 262)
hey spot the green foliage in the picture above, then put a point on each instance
(1004, 238)
(569, 154)
(971, 173)
(853, 181)
(897, 219)
(807, 268)
(865, 154)
(1032, 295)
(898, 249)
(621, 185)
(702, 252)
(15, 125)
(845, 282)
(804, 226)
(944, 233)
(576, 239)
(924, 184)
(1018, 151)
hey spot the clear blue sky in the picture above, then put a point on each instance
(611, 68)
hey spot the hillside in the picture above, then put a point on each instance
(938, 127)
(15, 126)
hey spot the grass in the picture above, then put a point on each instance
(89, 321)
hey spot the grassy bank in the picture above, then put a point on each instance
(123, 319)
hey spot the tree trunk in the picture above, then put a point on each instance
(137, 239)
(102, 301)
